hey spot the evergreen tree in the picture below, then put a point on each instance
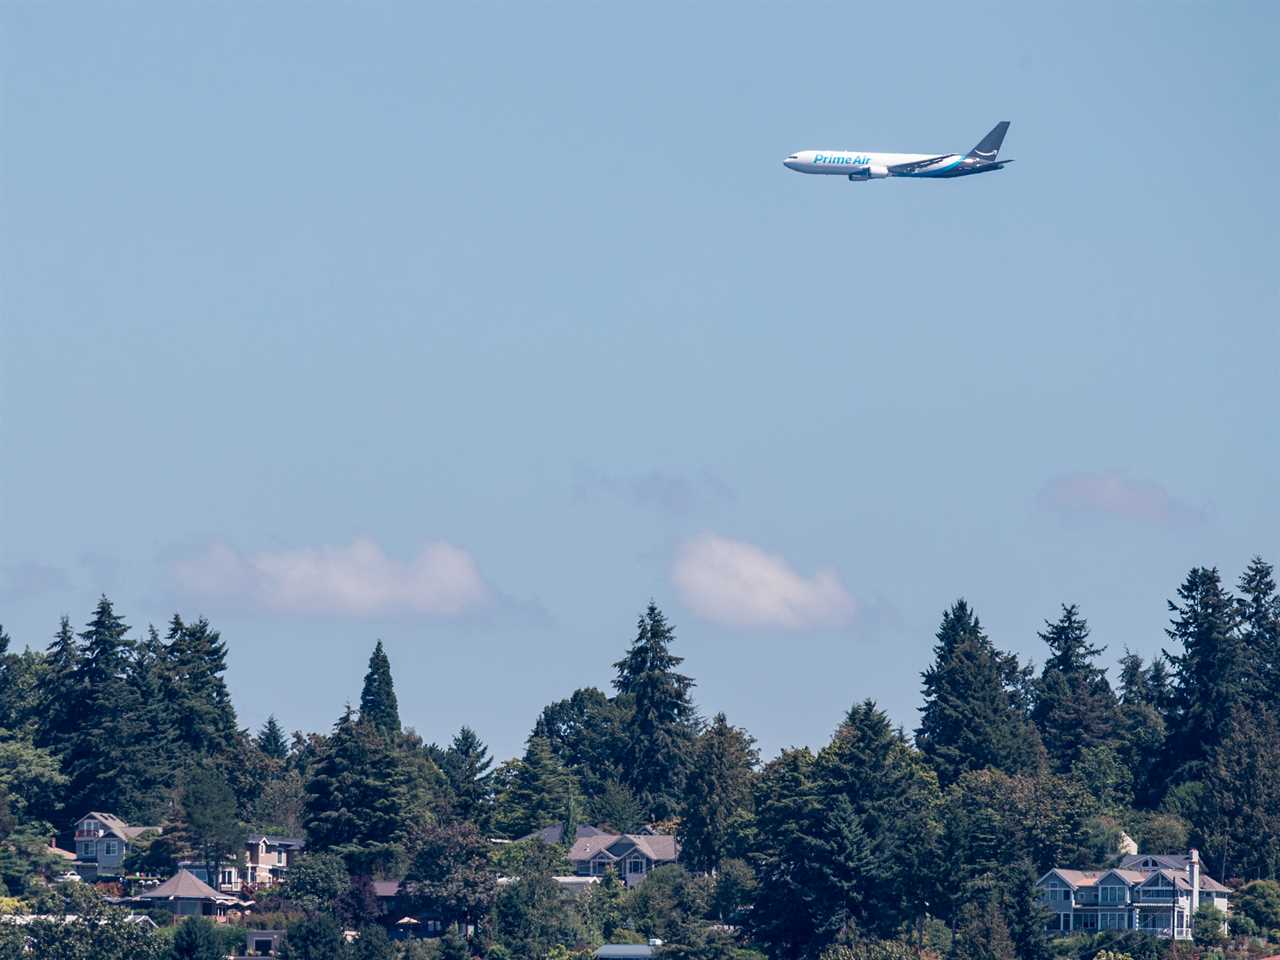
(538, 795)
(107, 756)
(1026, 914)
(357, 802)
(200, 704)
(896, 798)
(616, 807)
(1075, 709)
(466, 765)
(271, 740)
(378, 698)
(59, 699)
(1209, 678)
(1260, 618)
(1240, 817)
(982, 932)
(717, 793)
(815, 864)
(209, 818)
(972, 716)
(663, 720)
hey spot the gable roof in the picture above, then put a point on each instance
(660, 848)
(185, 885)
(555, 833)
(115, 825)
(1138, 861)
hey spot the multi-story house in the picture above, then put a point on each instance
(632, 856)
(1154, 893)
(265, 863)
(103, 841)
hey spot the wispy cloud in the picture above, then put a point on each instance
(1113, 494)
(738, 584)
(666, 492)
(354, 580)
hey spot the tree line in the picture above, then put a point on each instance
(931, 839)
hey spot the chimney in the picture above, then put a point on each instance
(1193, 868)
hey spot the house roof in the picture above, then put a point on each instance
(619, 951)
(185, 885)
(115, 825)
(296, 842)
(1136, 861)
(555, 833)
(1076, 878)
(657, 847)
(386, 888)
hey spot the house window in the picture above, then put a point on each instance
(263, 947)
(110, 848)
(1112, 893)
(635, 865)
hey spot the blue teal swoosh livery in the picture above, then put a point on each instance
(872, 165)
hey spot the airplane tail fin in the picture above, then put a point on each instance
(989, 146)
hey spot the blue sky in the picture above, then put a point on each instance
(473, 327)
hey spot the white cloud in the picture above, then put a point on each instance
(736, 583)
(1114, 494)
(356, 580)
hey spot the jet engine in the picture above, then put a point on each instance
(874, 171)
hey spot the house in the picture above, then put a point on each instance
(103, 841)
(268, 858)
(631, 855)
(186, 895)
(265, 863)
(1152, 893)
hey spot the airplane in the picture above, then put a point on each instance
(860, 165)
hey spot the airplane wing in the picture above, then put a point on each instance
(983, 167)
(916, 165)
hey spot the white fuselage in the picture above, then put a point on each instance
(868, 164)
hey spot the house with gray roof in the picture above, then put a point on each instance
(632, 856)
(103, 840)
(1157, 894)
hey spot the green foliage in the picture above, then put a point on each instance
(197, 939)
(452, 875)
(1075, 710)
(895, 800)
(532, 914)
(734, 892)
(974, 715)
(372, 944)
(316, 937)
(618, 808)
(105, 935)
(1208, 926)
(1260, 902)
(815, 863)
(453, 946)
(586, 732)
(466, 766)
(316, 881)
(605, 907)
(209, 817)
(662, 724)
(1239, 817)
(538, 794)
(271, 740)
(358, 803)
(982, 932)
(1209, 674)
(717, 793)
(378, 706)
